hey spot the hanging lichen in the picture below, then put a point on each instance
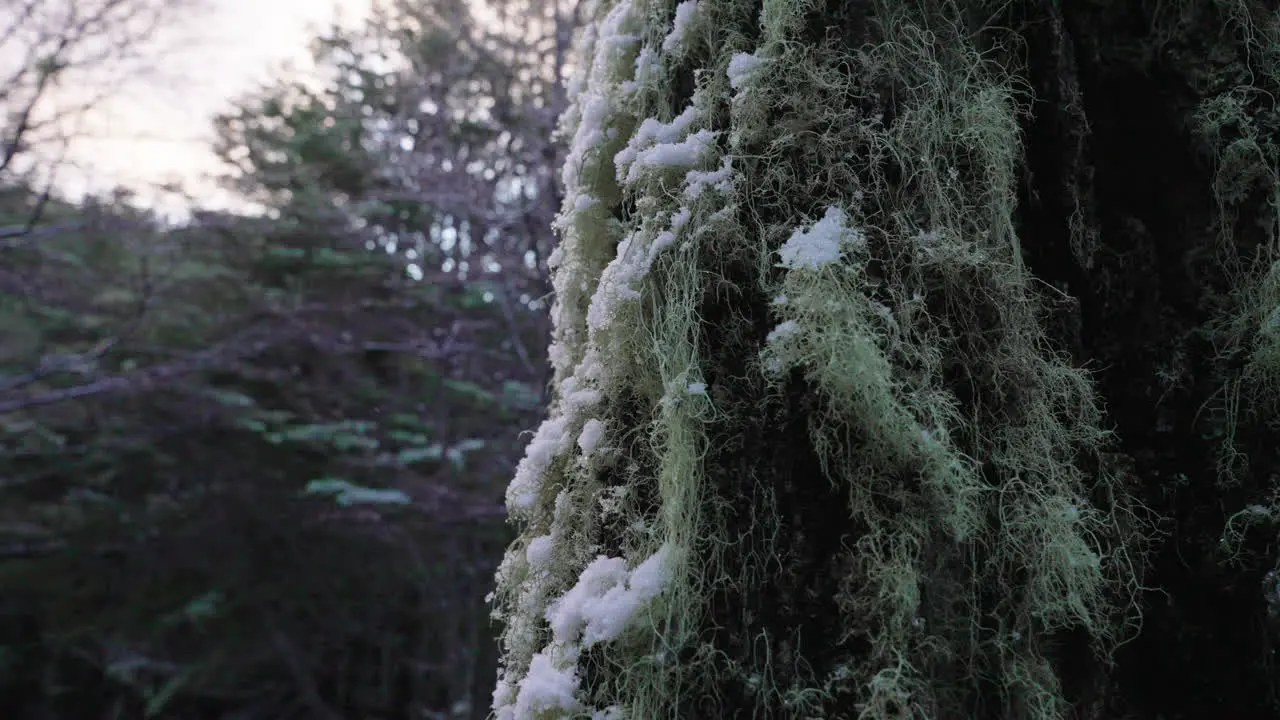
(778, 215)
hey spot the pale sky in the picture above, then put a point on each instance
(160, 129)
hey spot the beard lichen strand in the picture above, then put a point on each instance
(938, 176)
(543, 493)
(878, 342)
(624, 325)
(660, 321)
(1236, 120)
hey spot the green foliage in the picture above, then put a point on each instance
(251, 462)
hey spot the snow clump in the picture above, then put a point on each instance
(820, 245)
(685, 14)
(741, 67)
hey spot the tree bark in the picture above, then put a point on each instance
(1009, 455)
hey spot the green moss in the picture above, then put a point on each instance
(1236, 122)
(978, 521)
(940, 310)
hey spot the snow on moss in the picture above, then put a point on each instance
(546, 687)
(686, 13)
(685, 153)
(652, 132)
(648, 69)
(592, 434)
(550, 441)
(631, 263)
(606, 601)
(820, 245)
(576, 390)
(614, 288)
(667, 237)
(721, 179)
(680, 218)
(783, 332)
(555, 596)
(539, 551)
(607, 598)
(742, 66)
(504, 697)
(591, 124)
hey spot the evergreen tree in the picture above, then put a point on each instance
(252, 466)
(899, 348)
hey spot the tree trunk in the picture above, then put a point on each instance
(911, 360)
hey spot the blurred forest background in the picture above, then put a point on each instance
(253, 463)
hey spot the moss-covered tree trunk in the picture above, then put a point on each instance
(912, 360)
